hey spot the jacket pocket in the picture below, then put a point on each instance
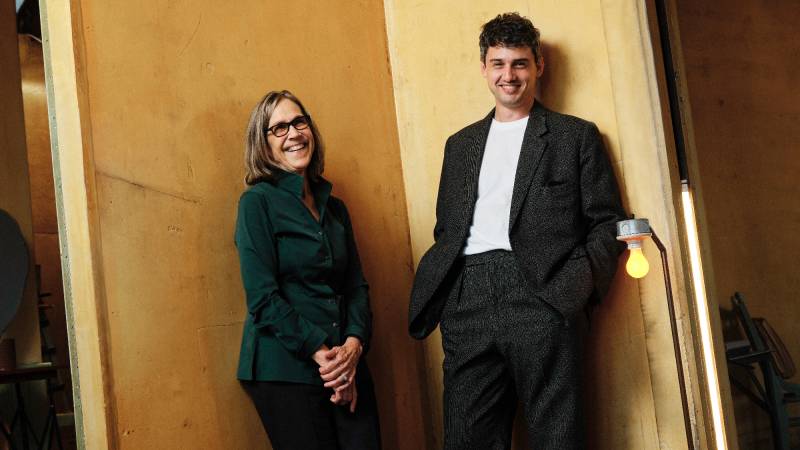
(453, 297)
(559, 188)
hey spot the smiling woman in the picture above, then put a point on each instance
(281, 119)
(308, 316)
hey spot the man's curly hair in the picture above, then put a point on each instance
(510, 30)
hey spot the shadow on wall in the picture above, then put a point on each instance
(556, 69)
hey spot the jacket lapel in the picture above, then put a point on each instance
(533, 146)
(473, 159)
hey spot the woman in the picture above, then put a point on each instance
(308, 317)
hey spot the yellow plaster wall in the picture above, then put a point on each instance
(15, 190)
(741, 68)
(168, 91)
(154, 110)
(598, 65)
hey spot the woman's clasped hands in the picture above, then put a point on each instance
(337, 368)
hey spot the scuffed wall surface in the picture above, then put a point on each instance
(742, 71)
(170, 87)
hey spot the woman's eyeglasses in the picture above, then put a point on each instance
(298, 123)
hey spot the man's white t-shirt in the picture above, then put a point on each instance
(489, 229)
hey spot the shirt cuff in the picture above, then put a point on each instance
(313, 343)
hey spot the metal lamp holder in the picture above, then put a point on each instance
(633, 232)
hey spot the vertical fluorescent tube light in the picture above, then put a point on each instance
(701, 305)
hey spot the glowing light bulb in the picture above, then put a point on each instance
(637, 265)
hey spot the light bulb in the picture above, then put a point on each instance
(637, 265)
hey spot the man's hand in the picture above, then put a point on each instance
(339, 370)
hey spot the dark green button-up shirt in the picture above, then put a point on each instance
(302, 279)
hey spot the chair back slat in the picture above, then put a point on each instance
(747, 323)
(781, 358)
(774, 388)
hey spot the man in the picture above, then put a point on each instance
(524, 239)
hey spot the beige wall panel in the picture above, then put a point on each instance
(15, 190)
(742, 76)
(596, 67)
(650, 193)
(170, 95)
(76, 208)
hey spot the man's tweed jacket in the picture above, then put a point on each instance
(564, 208)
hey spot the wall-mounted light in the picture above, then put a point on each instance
(634, 232)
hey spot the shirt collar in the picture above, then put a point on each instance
(292, 182)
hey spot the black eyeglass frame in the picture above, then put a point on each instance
(300, 122)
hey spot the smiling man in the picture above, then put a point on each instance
(524, 240)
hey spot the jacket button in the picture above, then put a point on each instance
(335, 324)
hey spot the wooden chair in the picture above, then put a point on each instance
(772, 392)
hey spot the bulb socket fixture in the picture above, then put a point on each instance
(633, 231)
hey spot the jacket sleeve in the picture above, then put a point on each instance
(441, 196)
(356, 290)
(602, 209)
(268, 310)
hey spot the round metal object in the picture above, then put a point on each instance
(13, 269)
(633, 229)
